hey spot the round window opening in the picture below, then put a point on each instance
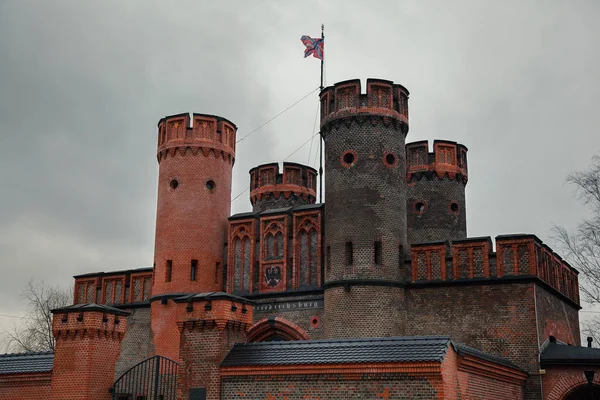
(210, 185)
(420, 207)
(390, 159)
(348, 158)
(315, 322)
(173, 184)
(454, 207)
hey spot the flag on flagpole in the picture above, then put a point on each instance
(314, 46)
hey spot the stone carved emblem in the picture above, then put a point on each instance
(273, 276)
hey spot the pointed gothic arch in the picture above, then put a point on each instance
(275, 328)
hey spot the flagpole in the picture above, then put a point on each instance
(323, 56)
(320, 133)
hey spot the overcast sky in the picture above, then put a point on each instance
(83, 85)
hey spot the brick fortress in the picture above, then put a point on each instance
(377, 294)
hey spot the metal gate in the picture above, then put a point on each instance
(152, 379)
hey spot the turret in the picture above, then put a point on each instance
(270, 189)
(194, 195)
(436, 201)
(365, 211)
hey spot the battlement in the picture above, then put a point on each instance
(296, 180)
(208, 133)
(473, 259)
(383, 98)
(447, 159)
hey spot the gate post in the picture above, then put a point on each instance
(210, 324)
(88, 343)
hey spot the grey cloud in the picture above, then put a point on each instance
(83, 85)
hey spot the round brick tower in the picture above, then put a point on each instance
(270, 189)
(194, 196)
(436, 191)
(365, 210)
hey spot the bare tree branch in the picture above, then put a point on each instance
(34, 333)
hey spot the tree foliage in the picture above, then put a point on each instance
(581, 247)
(34, 332)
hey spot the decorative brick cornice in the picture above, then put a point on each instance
(73, 324)
(383, 101)
(221, 312)
(296, 179)
(208, 135)
(349, 371)
(448, 160)
(491, 370)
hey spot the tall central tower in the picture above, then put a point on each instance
(194, 196)
(365, 209)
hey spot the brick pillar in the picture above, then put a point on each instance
(88, 342)
(210, 324)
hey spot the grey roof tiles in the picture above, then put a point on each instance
(26, 363)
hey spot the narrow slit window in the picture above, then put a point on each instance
(349, 254)
(168, 270)
(193, 270)
(377, 252)
(217, 272)
(400, 256)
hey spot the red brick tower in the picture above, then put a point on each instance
(194, 196)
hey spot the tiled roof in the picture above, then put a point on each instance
(561, 354)
(90, 307)
(393, 349)
(26, 363)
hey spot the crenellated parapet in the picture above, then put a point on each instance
(270, 188)
(448, 159)
(116, 288)
(474, 259)
(383, 99)
(209, 134)
(214, 310)
(89, 321)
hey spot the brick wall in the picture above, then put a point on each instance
(329, 386)
(556, 318)
(87, 348)
(25, 386)
(498, 319)
(310, 320)
(365, 311)
(202, 350)
(138, 343)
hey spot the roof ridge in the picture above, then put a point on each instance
(397, 339)
(31, 353)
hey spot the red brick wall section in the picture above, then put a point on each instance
(87, 347)
(209, 329)
(334, 382)
(25, 386)
(556, 318)
(558, 382)
(164, 329)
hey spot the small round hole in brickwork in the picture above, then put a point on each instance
(390, 159)
(174, 183)
(210, 185)
(420, 207)
(315, 321)
(454, 207)
(348, 158)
